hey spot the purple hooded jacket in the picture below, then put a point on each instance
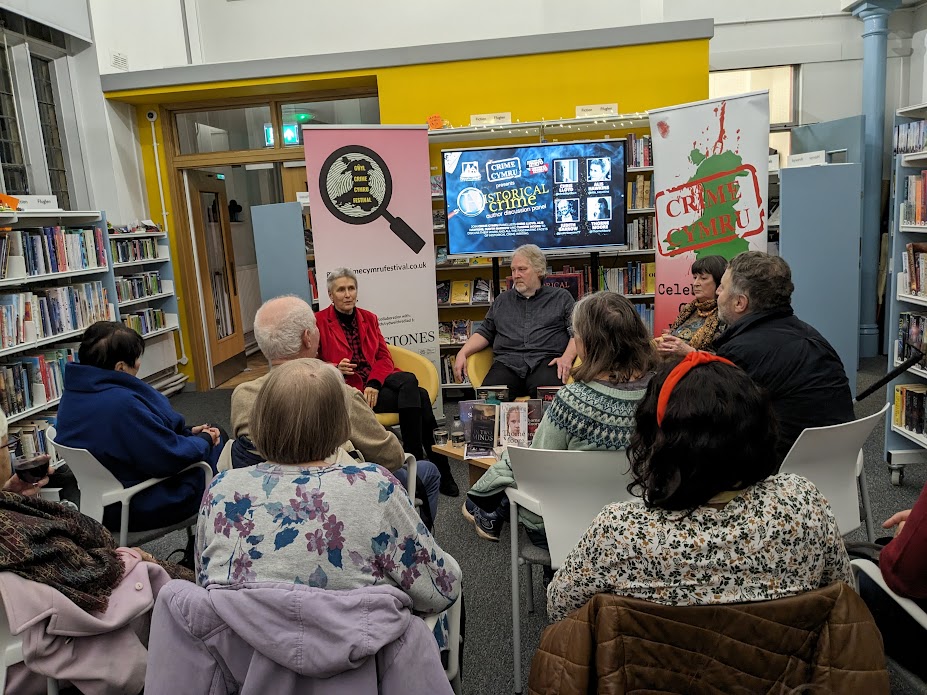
(270, 637)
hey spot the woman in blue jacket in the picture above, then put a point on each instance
(132, 430)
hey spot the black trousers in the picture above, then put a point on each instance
(542, 375)
(401, 394)
(902, 636)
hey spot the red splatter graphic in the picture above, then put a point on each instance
(722, 134)
(664, 129)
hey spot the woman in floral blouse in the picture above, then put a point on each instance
(714, 527)
(311, 514)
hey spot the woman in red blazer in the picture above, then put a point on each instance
(350, 339)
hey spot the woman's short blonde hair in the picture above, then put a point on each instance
(300, 414)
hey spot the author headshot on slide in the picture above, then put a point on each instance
(598, 209)
(599, 169)
(566, 210)
(565, 171)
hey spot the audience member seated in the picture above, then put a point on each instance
(698, 323)
(594, 413)
(285, 329)
(131, 429)
(713, 526)
(311, 514)
(903, 563)
(528, 330)
(794, 363)
(350, 338)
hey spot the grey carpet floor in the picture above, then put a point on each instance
(485, 565)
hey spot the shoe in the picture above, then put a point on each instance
(467, 510)
(448, 487)
(488, 524)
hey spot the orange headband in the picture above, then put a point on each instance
(689, 362)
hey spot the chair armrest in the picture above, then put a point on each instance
(519, 498)
(128, 493)
(412, 471)
(871, 570)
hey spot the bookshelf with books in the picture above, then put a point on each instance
(906, 321)
(144, 279)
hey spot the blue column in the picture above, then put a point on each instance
(874, 16)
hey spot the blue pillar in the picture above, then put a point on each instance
(874, 16)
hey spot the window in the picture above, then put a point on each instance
(11, 149)
(221, 130)
(48, 121)
(779, 81)
(338, 111)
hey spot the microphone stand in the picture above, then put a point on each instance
(916, 356)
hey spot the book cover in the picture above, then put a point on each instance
(439, 219)
(461, 291)
(481, 260)
(484, 426)
(443, 289)
(441, 255)
(513, 424)
(437, 184)
(493, 394)
(547, 394)
(476, 451)
(465, 414)
(460, 331)
(482, 291)
(535, 415)
(444, 332)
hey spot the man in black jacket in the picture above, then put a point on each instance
(791, 360)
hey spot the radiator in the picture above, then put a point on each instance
(249, 295)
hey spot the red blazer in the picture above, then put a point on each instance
(333, 344)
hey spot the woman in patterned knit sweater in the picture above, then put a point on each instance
(594, 413)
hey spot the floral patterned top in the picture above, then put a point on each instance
(344, 526)
(777, 538)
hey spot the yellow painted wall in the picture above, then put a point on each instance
(546, 86)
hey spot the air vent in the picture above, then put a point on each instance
(120, 61)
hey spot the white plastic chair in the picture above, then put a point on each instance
(568, 489)
(832, 458)
(11, 651)
(454, 639)
(99, 488)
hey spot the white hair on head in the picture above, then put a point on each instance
(279, 326)
(535, 257)
(339, 273)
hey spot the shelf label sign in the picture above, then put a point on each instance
(500, 118)
(595, 110)
(807, 159)
(711, 178)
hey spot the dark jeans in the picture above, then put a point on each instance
(542, 375)
(903, 637)
(400, 393)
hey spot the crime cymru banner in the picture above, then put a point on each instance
(711, 178)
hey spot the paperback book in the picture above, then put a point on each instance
(535, 415)
(547, 394)
(513, 424)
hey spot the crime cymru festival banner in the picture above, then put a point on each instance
(711, 178)
(370, 198)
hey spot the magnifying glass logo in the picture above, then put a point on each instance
(356, 187)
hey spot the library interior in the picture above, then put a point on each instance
(615, 312)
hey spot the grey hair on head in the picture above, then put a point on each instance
(535, 257)
(279, 326)
(339, 273)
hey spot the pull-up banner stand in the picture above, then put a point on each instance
(711, 161)
(370, 205)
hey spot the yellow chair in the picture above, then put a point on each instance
(424, 371)
(479, 364)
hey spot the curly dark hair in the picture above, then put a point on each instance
(718, 433)
(765, 280)
(106, 343)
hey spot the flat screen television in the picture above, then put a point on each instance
(560, 196)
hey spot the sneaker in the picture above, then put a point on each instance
(488, 524)
(467, 510)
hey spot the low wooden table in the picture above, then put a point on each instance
(477, 466)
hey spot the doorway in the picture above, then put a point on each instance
(217, 284)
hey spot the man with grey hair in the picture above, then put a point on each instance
(799, 369)
(350, 338)
(285, 329)
(529, 330)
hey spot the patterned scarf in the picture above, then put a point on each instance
(46, 542)
(711, 329)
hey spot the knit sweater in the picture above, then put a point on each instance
(584, 416)
(375, 442)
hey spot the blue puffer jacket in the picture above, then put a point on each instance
(132, 430)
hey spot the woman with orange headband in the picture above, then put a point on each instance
(716, 525)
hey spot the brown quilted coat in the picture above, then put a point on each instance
(825, 638)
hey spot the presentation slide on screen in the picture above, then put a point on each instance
(558, 196)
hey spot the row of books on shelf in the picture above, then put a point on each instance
(442, 261)
(456, 332)
(26, 317)
(146, 321)
(461, 292)
(490, 422)
(913, 276)
(641, 233)
(138, 227)
(640, 151)
(912, 332)
(909, 137)
(313, 285)
(138, 285)
(51, 250)
(914, 199)
(32, 435)
(636, 277)
(640, 192)
(908, 412)
(34, 379)
(128, 250)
